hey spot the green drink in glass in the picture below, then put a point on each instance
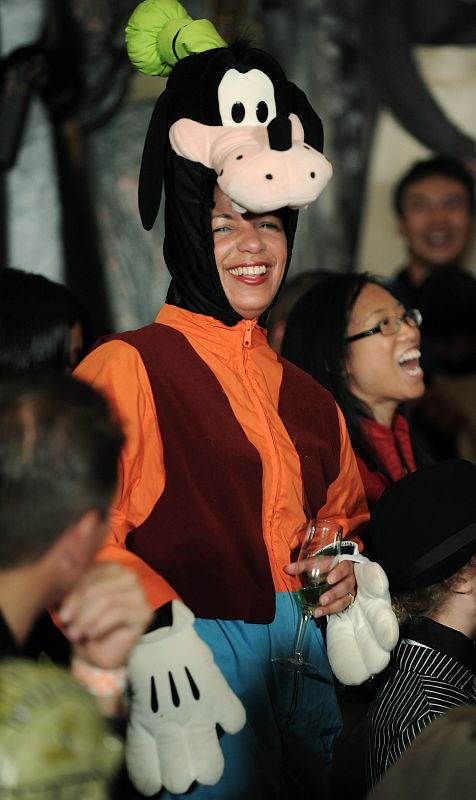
(318, 555)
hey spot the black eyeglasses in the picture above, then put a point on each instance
(390, 325)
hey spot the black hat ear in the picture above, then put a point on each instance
(310, 121)
(152, 165)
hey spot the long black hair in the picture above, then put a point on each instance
(315, 341)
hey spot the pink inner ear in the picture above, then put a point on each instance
(193, 140)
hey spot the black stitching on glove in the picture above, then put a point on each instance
(173, 691)
(154, 702)
(193, 685)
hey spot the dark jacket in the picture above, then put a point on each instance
(432, 670)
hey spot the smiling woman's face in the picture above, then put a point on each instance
(383, 371)
(250, 254)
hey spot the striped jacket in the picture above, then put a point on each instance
(421, 684)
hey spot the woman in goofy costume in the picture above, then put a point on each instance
(230, 450)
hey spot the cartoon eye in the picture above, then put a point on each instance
(262, 111)
(246, 98)
(238, 112)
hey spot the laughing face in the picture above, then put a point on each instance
(250, 254)
(436, 221)
(383, 371)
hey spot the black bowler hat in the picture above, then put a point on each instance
(423, 528)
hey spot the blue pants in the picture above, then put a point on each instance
(284, 751)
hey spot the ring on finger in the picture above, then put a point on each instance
(352, 599)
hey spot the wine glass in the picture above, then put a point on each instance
(318, 555)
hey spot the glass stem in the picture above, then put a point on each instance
(298, 641)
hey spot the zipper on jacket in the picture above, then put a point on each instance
(247, 336)
(274, 459)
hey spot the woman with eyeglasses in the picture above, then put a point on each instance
(356, 339)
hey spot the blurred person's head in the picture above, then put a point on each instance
(448, 305)
(423, 533)
(59, 450)
(439, 763)
(356, 339)
(288, 297)
(54, 743)
(41, 324)
(435, 203)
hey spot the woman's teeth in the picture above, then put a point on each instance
(413, 355)
(409, 355)
(259, 270)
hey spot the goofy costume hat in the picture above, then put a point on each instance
(229, 116)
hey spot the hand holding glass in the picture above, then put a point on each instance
(317, 557)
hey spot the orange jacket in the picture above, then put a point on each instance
(250, 375)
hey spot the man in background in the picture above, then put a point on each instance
(59, 450)
(435, 204)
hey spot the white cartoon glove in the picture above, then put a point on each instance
(361, 638)
(178, 697)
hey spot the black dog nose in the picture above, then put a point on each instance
(279, 133)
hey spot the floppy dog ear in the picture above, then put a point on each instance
(151, 176)
(311, 122)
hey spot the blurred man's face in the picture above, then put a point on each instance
(436, 221)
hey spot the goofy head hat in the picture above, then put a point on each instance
(229, 116)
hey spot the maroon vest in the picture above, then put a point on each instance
(204, 534)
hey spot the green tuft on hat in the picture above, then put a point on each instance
(161, 32)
